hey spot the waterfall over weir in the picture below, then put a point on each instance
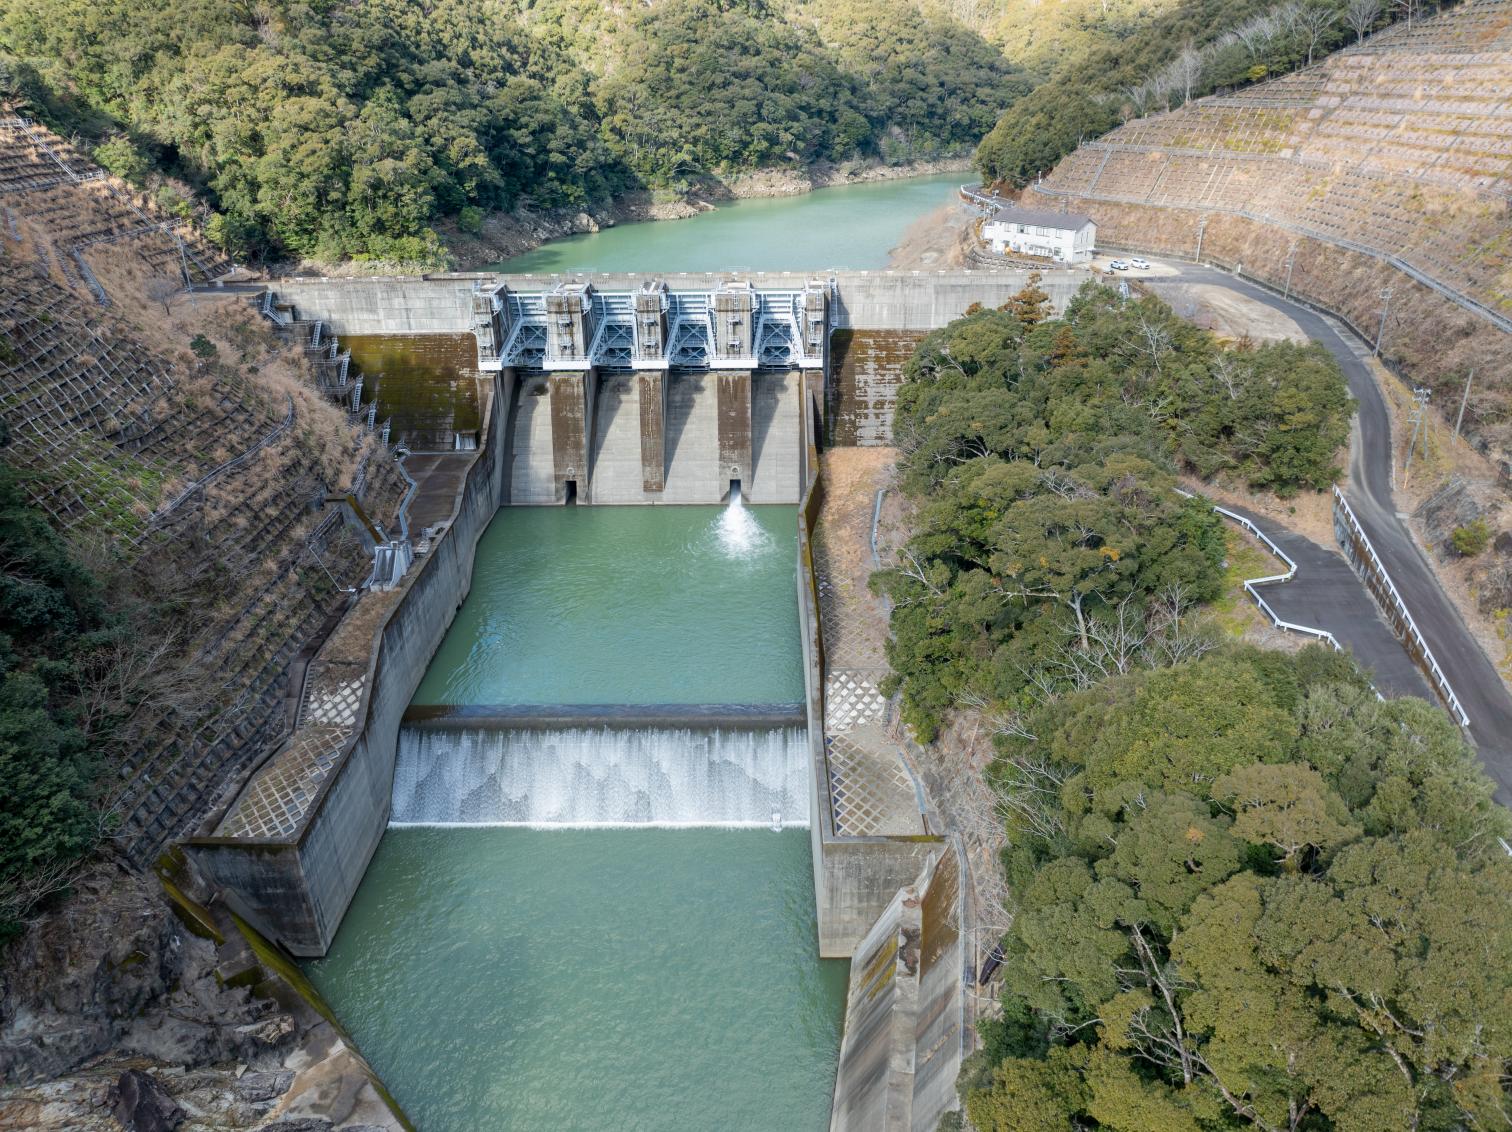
(601, 776)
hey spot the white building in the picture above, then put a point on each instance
(1065, 237)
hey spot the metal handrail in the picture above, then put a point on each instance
(1250, 584)
(1441, 682)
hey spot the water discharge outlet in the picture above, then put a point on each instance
(601, 776)
(740, 535)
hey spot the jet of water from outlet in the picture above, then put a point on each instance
(740, 535)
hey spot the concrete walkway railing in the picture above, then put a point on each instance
(1365, 559)
(982, 200)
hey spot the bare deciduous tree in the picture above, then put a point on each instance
(1184, 71)
(1361, 16)
(21, 894)
(161, 290)
(1258, 33)
(1312, 24)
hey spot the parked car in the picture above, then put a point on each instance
(1118, 265)
(1140, 264)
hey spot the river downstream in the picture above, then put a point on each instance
(612, 925)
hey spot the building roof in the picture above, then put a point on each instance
(1066, 221)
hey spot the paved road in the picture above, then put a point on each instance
(1474, 679)
(1328, 594)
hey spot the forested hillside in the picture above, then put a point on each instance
(327, 129)
(1248, 894)
(1244, 892)
(1049, 543)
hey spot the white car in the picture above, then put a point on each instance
(1118, 265)
(1140, 264)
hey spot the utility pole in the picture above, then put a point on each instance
(1291, 261)
(1201, 231)
(1464, 400)
(1381, 330)
(1420, 396)
(184, 267)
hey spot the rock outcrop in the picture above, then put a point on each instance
(121, 1009)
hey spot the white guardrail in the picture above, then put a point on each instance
(1435, 673)
(1250, 584)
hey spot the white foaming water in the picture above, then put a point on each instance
(740, 535)
(601, 776)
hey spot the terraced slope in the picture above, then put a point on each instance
(200, 475)
(1386, 165)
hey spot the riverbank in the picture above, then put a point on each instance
(505, 235)
(942, 239)
(794, 182)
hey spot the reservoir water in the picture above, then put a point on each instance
(852, 226)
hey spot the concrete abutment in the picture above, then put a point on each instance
(573, 397)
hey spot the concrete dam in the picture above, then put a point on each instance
(615, 393)
(627, 390)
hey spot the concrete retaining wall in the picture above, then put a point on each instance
(297, 890)
(905, 1028)
(854, 877)
(871, 300)
(401, 305)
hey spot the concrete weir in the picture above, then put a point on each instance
(614, 390)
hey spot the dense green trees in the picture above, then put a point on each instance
(51, 613)
(929, 85)
(326, 129)
(1249, 894)
(701, 90)
(1244, 891)
(1049, 546)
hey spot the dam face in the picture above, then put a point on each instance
(593, 390)
(627, 390)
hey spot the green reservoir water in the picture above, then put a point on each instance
(502, 979)
(852, 226)
(627, 605)
(508, 977)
